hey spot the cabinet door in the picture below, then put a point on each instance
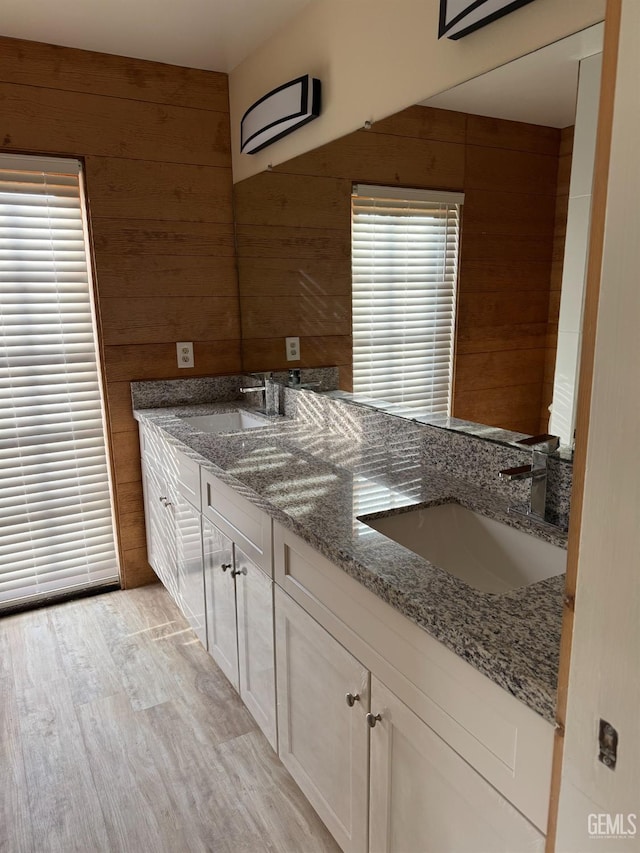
(254, 594)
(161, 529)
(220, 600)
(190, 567)
(322, 739)
(424, 796)
(152, 510)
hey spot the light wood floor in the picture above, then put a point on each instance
(119, 733)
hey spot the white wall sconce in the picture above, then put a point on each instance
(280, 112)
(460, 17)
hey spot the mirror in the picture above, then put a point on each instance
(506, 140)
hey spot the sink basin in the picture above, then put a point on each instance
(482, 552)
(225, 422)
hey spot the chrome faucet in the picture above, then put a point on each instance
(541, 446)
(269, 406)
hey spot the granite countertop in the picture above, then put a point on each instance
(319, 483)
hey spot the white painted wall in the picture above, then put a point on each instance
(605, 666)
(565, 386)
(376, 57)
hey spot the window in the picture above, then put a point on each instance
(55, 503)
(404, 249)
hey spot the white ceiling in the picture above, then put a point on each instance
(539, 88)
(211, 34)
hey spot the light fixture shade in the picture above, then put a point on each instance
(460, 17)
(280, 112)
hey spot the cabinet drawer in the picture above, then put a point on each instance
(249, 527)
(509, 744)
(189, 480)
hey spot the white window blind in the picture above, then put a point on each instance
(55, 503)
(404, 269)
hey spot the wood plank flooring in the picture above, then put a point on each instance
(119, 733)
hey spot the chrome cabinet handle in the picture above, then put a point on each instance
(372, 719)
(352, 698)
(163, 500)
(236, 572)
(225, 566)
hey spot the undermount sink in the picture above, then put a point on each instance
(480, 551)
(225, 422)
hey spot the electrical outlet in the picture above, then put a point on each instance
(293, 349)
(185, 353)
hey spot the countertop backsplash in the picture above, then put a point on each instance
(161, 393)
(459, 455)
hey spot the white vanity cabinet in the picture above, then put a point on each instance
(239, 597)
(456, 763)
(171, 485)
(212, 550)
(322, 734)
(399, 744)
(345, 751)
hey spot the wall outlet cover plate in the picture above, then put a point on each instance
(184, 352)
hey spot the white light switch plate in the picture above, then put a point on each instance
(293, 349)
(184, 350)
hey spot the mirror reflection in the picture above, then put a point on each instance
(438, 256)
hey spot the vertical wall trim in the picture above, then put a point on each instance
(592, 296)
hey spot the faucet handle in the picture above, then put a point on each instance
(520, 472)
(544, 443)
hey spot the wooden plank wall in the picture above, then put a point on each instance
(156, 147)
(293, 240)
(505, 268)
(559, 237)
